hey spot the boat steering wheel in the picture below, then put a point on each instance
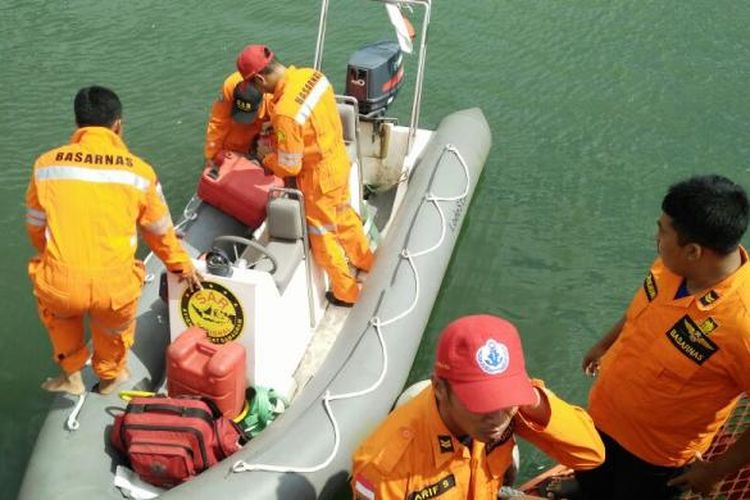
(250, 243)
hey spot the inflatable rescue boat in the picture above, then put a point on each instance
(340, 368)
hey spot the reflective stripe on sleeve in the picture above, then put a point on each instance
(35, 222)
(160, 192)
(37, 214)
(159, 227)
(123, 177)
(289, 159)
(311, 101)
(35, 217)
(320, 230)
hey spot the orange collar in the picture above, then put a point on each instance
(708, 300)
(96, 137)
(279, 90)
(446, 446)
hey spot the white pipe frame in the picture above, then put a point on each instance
(422, 56)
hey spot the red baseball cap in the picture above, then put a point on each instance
(253, 59)
(482, 359)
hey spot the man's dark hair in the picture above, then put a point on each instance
(97, 107)
(709, 210)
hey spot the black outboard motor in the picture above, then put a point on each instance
(374, 76)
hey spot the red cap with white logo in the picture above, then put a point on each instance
(482, 359)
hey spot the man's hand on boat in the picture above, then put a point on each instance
(192, 278)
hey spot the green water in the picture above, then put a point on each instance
(596, 107)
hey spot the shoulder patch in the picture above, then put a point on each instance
(363, 489)
(446, 444)
(391, 454)
(709, 298)
(280, 136)
(709, 325)
(649, 286)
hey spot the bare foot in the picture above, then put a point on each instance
(70, 383)
(106, 386)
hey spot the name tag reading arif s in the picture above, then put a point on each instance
(434, 490)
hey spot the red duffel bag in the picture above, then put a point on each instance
(169, 440)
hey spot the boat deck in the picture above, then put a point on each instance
(322, 340)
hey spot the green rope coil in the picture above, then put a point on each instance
(266, 404)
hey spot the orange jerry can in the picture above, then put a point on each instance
(238, 187)
(196, 366)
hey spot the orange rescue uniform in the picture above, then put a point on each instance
(669, 381)
(225, 134)
(413, 454)
(310, 145)
(84, 203)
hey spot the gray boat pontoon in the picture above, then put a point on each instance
(341, 368)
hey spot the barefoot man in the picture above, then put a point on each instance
(85, 202)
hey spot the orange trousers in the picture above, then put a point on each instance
(109, 300)
(336, 233)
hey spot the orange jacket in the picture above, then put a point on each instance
(85, 201)
(309, 135)
(223, 133)
(670, 380)
(413, 455)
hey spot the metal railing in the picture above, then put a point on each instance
(421, 56)
(351, 101)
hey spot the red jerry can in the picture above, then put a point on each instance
(238, 187)
(196, 366)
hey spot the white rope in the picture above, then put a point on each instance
(190, 213)
(377, 324)
(435, 199)
(242, 466)
(406, 255)
(72, 423)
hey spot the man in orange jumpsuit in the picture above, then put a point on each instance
(310, 146)
(236, 119)
(455, 439)
(84, 205)
(671, 369)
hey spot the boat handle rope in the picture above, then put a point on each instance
(377, 324)
(72, 423)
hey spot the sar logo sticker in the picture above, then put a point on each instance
(493, 357)
(215, 309)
